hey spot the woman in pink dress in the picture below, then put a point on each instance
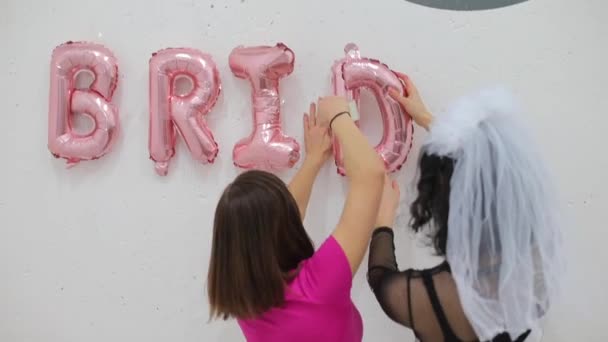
(264, 270)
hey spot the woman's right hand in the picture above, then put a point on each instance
(388, 204)
(412, 102)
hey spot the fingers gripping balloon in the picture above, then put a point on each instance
(354, 72)
(170, 111)
(67, 61)
(267, 147)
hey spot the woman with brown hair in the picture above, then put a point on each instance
(264, 270)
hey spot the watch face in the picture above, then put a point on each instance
(466, 5)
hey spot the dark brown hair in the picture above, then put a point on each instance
(432, 206)
(258, 243)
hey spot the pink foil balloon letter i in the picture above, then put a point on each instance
(267, 148)
(67, 62)
(171, 112)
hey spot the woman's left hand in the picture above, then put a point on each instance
(316, 137)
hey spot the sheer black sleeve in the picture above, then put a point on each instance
(430, 295)
(381, 256)
(391, 287)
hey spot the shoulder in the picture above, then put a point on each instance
(330, 256)
(327, 273)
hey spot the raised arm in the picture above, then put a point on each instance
(365, 172)
(382, 262)
(318, 150)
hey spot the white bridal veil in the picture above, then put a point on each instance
(504, 222)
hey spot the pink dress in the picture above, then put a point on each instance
(317, 305)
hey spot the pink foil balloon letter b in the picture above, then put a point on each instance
(170, 111)
(267, 148)
(67, 61)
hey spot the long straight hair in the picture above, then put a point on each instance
(258, 242)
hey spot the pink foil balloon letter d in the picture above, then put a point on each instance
(170, 111)
(267, 148)
(350, 75)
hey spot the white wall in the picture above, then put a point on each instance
(109, 251)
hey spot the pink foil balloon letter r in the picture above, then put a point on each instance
(171, 112)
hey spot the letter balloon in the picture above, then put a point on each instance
(171, 112)
(67, 62)
(267, 148)
(353, 73)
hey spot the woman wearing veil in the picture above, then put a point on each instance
(486, 202)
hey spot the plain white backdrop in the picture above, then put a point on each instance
(109, 251)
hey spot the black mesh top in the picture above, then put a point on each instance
(424, 300)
